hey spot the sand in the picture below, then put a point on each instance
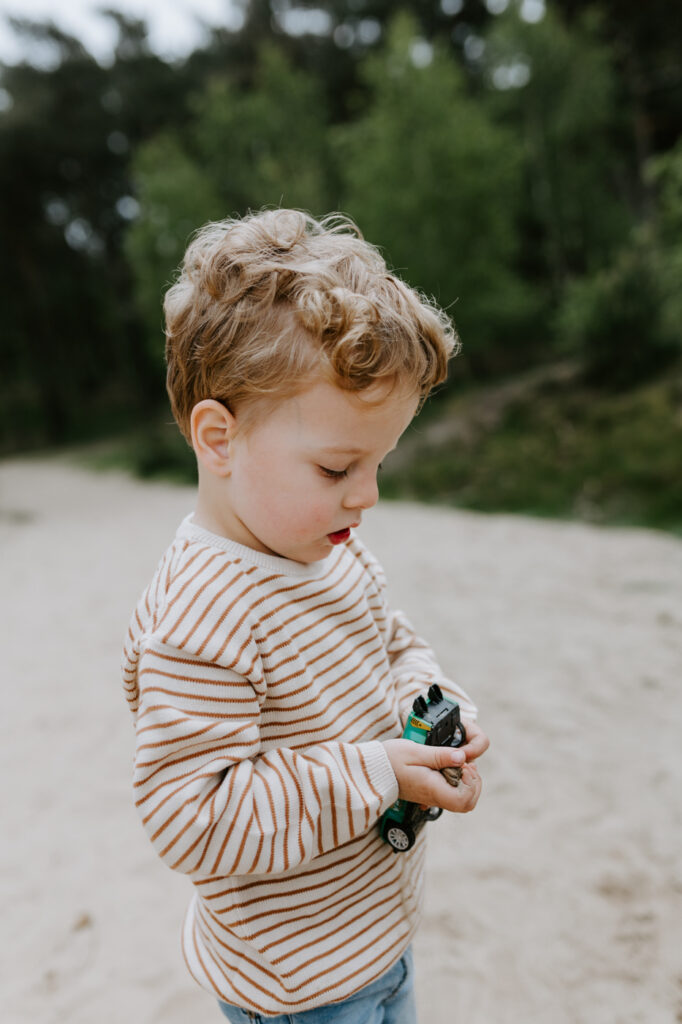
(558, 901)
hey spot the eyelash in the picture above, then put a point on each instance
(336, 474)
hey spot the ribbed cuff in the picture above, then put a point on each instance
(381, 773)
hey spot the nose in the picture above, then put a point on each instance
(363, 492)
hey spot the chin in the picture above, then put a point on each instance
(311, 552)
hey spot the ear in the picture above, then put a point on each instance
(212, 429)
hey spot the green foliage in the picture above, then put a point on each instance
(244, 148)
(558, 450)
(613, 319)
(665, 172)
(71, 347)
(434, 181)
(624, 321)
(175, 198)
(500, 165)
(553, 449)
(155, 451)
(565, 107)
(265, 146)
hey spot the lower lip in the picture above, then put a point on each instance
(340, 537)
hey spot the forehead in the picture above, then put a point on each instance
(334, 410)
(340, 421)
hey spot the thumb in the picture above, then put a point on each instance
(442, 757)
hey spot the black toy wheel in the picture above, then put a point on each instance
(433, 813)
(459, 737)
(400, 837)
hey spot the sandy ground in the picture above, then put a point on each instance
(559, 900)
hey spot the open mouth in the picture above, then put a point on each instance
(340, 536)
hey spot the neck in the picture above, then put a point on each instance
(213, 512)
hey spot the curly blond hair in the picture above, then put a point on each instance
(266, 303)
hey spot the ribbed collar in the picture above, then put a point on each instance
(188, 530)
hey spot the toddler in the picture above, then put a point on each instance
(268, 678)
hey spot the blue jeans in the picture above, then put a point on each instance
(388, 1000)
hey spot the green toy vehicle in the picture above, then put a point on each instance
(435, 721)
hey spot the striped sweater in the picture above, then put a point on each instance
(261, 690)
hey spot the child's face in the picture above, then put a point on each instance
(301, 479)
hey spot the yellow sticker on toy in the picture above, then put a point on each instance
(418, 724)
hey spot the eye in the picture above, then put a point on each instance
(333, 474)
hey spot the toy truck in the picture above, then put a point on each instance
(435, 721)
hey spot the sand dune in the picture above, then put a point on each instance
(559, 901)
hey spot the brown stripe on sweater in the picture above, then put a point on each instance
(210, 796)
(196, 696)
(290, 638)
(172, 763)
(313, 925)
(207, 973)
(291, 989)
(212, 558)
(188, 659)
(188, 736)
(231, 581)
(261, 842)
(174, 792)
(372, 911)
(250, 610)
(253, 585)
(351, 877)
(202, 680)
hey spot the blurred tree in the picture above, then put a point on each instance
(72, 349)
(267, 144)
(175, 197)
(646, 42)
(557, 86)
(246, 148)
(330, 38)
(613, 319)
(432, 179)
(664, 173)
(625, 320)
(493, 158)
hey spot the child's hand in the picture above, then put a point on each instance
(477, 742)
(418, 770)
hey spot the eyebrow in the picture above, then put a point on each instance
(340, 450)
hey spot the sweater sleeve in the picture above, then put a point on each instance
(213, 802)
(415, 668)
(413, 663)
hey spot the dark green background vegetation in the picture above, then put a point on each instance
(527, 173)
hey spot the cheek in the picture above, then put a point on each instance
(277, 498)
(307, 515)
(320, 512)
(302, 514)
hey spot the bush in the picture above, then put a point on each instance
(615, 319)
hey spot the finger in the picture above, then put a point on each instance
(470, 786)
(469, 793)
(461, 799)
(452, 775)
(435, 758)
(439, 758)
(471, 777)
(477, 743)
